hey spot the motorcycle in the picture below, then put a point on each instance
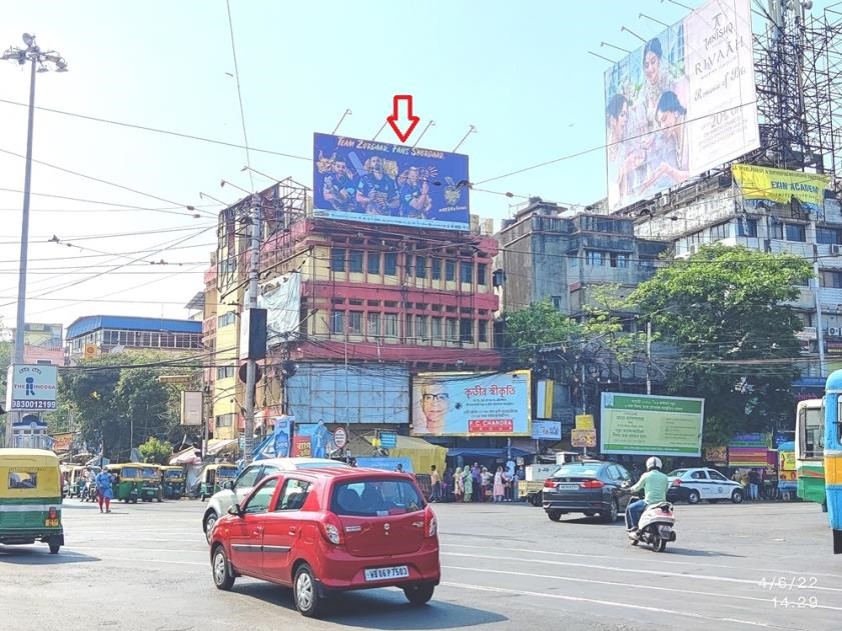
(89, 493)
(656, 528)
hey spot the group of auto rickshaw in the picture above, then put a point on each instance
(132, 482)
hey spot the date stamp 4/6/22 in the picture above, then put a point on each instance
(788, 583)
(789, 591)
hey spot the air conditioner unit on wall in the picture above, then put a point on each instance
(834, 331)
(836, 249)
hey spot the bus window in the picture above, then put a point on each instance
(812, 434)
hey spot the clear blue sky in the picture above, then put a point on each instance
(519, 71)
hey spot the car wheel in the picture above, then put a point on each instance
(223, 578)
(590, 513)
(554, 515)
(737, 496)
(210, 521)
(419, 594)
(610, 516)
(536, 499)
(306, 593)
(693, 497)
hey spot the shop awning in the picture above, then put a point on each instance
(216, 447)
(480, 452)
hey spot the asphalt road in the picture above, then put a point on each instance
(145, 568)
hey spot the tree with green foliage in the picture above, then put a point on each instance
(155, 451)
(118, 401)
(725, 310)
(603, 325)
(538, 324)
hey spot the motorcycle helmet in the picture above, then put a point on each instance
(654, 463)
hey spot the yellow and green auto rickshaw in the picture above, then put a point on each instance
(30, 498)
(71, 479)
(173, 482)
(214, 476)
(135, 481)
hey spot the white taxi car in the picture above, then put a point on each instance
(693, 485)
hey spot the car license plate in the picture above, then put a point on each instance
(386, 573)
(567, 487)
(51, 523)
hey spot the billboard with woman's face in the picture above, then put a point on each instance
(682, 104)
(472, 404)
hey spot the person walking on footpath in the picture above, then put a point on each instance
(104, 492)
(435, 482)
(468, 480)
(458, 485)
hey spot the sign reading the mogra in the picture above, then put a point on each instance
(651, 425)
(471, 404)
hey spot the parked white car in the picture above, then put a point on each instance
(696, 484)
(220, 502)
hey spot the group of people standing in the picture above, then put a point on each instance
(477, 484)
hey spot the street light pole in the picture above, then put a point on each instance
(39, 60)
(251, 303)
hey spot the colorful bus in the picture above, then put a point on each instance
(809, 451)
(833, 456)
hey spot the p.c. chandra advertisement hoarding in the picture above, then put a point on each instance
(647, 425)
(471, 404)
(682, 104)
(377, 182)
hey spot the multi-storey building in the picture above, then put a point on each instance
(371, 305)
(715, 211)
(42, 344)
(90, 336)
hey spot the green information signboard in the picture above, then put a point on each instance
(641, 424)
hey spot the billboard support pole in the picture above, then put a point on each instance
(818, 301)
(251, 303)
(649, 357)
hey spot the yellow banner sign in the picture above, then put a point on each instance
(583, 438)
(584, 421)
(779, 185)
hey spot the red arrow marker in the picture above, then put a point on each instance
(410, 122)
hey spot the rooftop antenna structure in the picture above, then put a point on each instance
(471, 130)
(335, 129)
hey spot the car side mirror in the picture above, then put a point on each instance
(235, 510)
(228, 485)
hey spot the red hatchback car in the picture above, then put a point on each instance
(321, 531)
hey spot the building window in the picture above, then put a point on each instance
(466, 272)
(420, 267)
(355, 322)
(390, 324)
(828, 236)
(421, 327)
(620, 259)
(355, 262)
(224, 420)
(482, 272)
(373, 324)
(374, 263)
(435, 269)
(832, 279)
(747, 227)
(436, 326)
(337, 259)
(720, 231)
(450, 270)
(482, 330)
(390, 264)
(595, 258)
(337, 322)
(794, 232)
(225, 319)
(408, 326)
(466, 330)
(452, 330)
(225, 372)
(558, 303)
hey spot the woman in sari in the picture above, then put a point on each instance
(458, 485)
(499, 489)
(468, 481)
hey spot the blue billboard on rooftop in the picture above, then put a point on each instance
(381, 183)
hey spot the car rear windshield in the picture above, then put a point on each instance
(376, 498)
(577, 469)
(677, 473)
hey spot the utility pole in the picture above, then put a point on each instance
(251, 303)
(39, 61)
(818, 300)
(648, 357)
